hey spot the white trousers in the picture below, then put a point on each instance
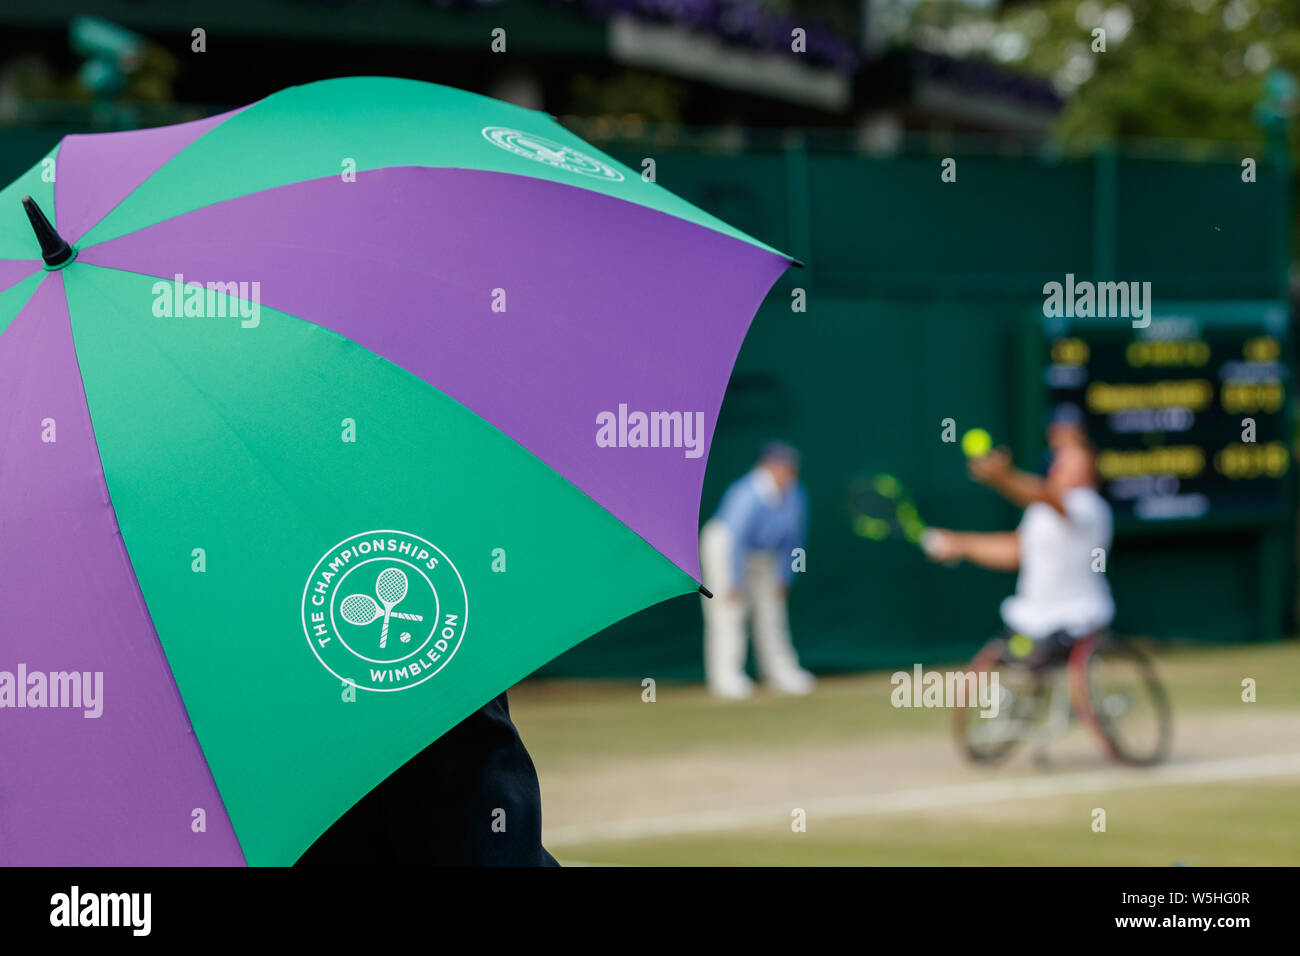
(725, 643)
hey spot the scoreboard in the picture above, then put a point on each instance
(1189, 415)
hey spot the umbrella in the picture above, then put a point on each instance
(324, 421)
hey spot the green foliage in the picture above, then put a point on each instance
(1191, 69)
(1187, 69)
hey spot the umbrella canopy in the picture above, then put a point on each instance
(335, 416)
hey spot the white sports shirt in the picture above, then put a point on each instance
(1057, 590)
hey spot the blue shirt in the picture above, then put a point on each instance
(761, 519)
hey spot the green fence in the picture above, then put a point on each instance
(920, 302)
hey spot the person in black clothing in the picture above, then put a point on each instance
(438, 808)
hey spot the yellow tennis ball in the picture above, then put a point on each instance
(1020, 645)
(976, 443)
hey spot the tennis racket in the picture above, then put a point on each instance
(880, 509)
(362, 609)
(391, 591)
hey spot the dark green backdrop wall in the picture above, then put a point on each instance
(918, 296)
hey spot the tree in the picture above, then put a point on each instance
(1189, 69)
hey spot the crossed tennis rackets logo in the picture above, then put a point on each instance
(386, 576)
(390, 589)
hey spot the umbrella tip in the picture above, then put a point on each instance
(797, 263)
(705, 591)
(54, 248)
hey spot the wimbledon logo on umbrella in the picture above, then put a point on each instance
(384, 610)
(550, 152)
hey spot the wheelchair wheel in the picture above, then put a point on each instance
(989, 740)
(1115, 692)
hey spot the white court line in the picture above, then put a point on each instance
(927, 798)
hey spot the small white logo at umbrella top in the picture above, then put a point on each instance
(550, 152)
